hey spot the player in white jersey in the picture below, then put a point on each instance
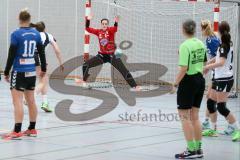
(212, 44)
(42, 86)
(223, 82)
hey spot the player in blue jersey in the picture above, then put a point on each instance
(212, 43)
(24, 41)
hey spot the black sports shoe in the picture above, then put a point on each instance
(186, 155)
(199, 153)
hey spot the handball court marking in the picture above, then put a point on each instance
(150, 141)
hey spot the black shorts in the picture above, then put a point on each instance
(190, 91)
(22, 81)
(222, 86)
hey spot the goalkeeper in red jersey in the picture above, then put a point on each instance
(106, 37)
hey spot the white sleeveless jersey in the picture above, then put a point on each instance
(46, 38)
(225, 72)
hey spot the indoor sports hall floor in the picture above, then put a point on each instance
(108, 137)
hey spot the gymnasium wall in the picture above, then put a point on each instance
(153, 26)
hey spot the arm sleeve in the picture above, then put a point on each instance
(42, 56)
(113, 29)
(224, 51)
(14, 40)
(89, 29)
(183, 56)
(10, 59)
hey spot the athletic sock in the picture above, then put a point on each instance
(32, 125)
(191, 145)
(45, 98)
(198, 145)
(207, 119)
(213, 126)
(18, 127)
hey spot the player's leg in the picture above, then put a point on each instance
(44, 89)
(224, 88)
(206, 123)
(211, 105)
(197, 128)
(185, 116)
(38, 71)
(93, 62)
(188, 130)
(17, 86)
(17, 98)
(39, 84)
(31, 131)
(185, 99)
(118, 64)
(29, 94)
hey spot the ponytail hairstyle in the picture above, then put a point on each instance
(40, 26)
(207, 28)
(224, 30)
(32, 25)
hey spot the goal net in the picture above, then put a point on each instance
(154, 28)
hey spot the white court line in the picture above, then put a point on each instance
(2, 131)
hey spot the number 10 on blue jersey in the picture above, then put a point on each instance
(29, 48)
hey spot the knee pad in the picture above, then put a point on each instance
(222, 109)
(211, 105)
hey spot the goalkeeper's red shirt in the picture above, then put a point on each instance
(106, 39)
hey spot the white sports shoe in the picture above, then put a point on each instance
(137, 89)
(229, 130)
(83, 84)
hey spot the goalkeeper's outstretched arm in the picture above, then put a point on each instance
(115, 27)
(89, 29)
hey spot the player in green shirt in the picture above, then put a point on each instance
(191, 85)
